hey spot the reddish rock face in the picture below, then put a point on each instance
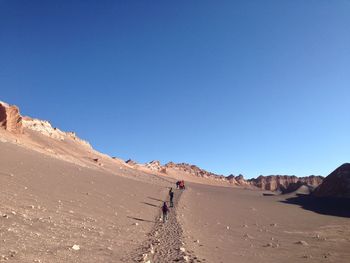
(337, 184)
(285, 183)
(10, 118)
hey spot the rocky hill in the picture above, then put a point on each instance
(284, 183)
(42, 136)
(337, 184)
(46, 129)
(191, 169)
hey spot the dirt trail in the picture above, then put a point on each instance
(165, 241)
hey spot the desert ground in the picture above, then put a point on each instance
(238, 225)
(56, 211)
(63, 201)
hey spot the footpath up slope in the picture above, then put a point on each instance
(165, 242)
(49, 205)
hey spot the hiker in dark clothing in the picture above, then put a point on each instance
(165, 211)
(171, 195)
(177, 184)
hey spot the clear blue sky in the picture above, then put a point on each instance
(251, 87)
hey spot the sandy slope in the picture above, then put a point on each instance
(237, 225)
(48, 205)
(54, 195)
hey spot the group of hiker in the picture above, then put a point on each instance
(165, 208)
(180, 184)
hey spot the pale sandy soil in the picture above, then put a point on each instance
(48, 205)
(54, 196)
(235, 225)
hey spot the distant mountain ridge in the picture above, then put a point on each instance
(282, 183)
(26, 130)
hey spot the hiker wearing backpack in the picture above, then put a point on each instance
(165, 211)
(171, 195)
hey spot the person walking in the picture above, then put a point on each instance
(171, 195)
(165, 211)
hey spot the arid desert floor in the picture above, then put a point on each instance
(57, 211)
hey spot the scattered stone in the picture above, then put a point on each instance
(76, 247)
(13, 253)
(227, 227)
(307, 256)
(186, 258)
(3, 257)
(273, 225)
(136, 224)
(247, 236)
(302, 242)
(182, 249)
(269, 245)
(144, 257)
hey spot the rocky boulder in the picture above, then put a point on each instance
(10, 118)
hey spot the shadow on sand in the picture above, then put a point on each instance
(155, 199)
(140, 219)
(150, 204)
(322, 205)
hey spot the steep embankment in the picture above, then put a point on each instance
(62, 201)
(337, 184)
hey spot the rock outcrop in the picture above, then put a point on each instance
(10, 118)
(337, 184)
(156, 166)
(237, 180)
(284, 183)
(194, 171)
(190, 168)
(45, 128)
(131, 162)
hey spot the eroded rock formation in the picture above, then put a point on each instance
(10, 118)
(284, 183)
(45, 128)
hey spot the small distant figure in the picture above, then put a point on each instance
(177, 184)
(182, 185)
(165, 211)
(171, 195)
